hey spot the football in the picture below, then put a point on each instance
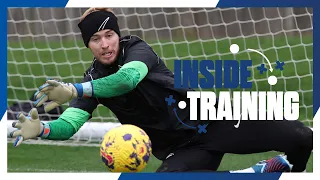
(126, 148)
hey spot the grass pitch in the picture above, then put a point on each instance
(47, 158)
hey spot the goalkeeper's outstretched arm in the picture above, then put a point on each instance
(125, 80)
(140, 59)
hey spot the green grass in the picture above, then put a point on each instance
(44, 158)
(29, 65)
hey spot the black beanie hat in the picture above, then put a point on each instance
(97, 21)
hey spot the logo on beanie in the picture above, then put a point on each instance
(103, 24)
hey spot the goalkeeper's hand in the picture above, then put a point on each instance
(28, 127)
(57, 92)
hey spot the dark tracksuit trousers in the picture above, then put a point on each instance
(205, 152)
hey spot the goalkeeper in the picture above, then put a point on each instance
(132, 81)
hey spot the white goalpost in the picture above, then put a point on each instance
(46, 42)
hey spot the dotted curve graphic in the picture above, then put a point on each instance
(182, 104)
(272, 80)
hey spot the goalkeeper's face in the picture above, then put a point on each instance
(104, 45)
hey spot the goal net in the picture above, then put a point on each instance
(46, 42)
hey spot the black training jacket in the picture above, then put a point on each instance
(145, 106)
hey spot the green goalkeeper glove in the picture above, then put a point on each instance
(28, 127)
(58, 92)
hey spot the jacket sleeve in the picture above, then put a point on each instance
(139, 59)
(122, 82)
(72, 119)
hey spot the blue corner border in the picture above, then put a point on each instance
(316, 55)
